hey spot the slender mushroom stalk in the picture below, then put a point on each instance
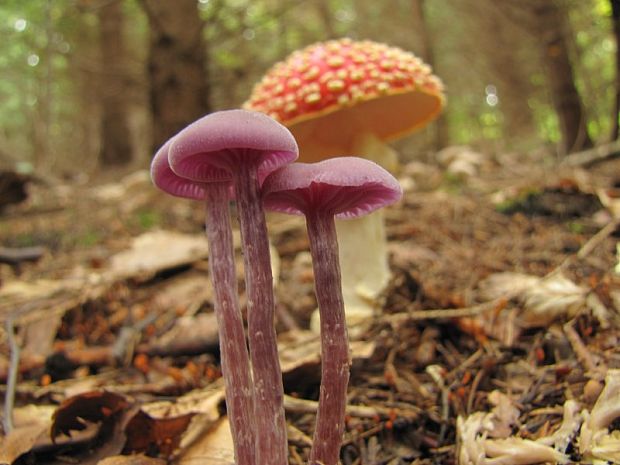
(335, 357)
(233, 351)
(249, 145)
(343, 188)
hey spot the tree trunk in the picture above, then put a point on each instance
(179, 91)
(552, 26)
(116, 147)
(513, 82)
(615, 17)
(426, 52)
(43, 154)
(327, 18)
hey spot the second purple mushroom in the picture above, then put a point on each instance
(345, 187)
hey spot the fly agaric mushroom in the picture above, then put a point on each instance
(248, 145)
(349, 97)
(214, 189)
(342, 188)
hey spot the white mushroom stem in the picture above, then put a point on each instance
(364, 264)
(363, 244)
(369, 146)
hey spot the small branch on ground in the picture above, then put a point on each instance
(12, 376)
(592, 156)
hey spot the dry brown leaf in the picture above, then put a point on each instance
(156, 251)
(190, 334)
(166, 426)
(215, 447)
(92, 407)
(138, 459)
(162, 436)
(21, 440)
(543, 300)
(39, 334)
(596, 441)
(300, 350)
(610, 198)
(187, 291)
(202, 401)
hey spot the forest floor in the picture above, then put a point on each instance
(502, 316)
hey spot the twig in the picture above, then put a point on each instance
(435, 371)
(11, 384)
(291, 404)
(440, 313)
(297, 460)
(591, 244)
(581, 351)
(593, 155)
(14, 256)
(474, 387)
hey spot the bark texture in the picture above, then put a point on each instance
(552, 27)
(615, 18)
(116, 146)
(424, 48)
(177, 66)
(506, 65)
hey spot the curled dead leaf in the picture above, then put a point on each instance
(161, 436)
(89, 407)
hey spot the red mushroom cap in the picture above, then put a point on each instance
(168, 181)
(330, 91)
(218, 142)
(346, 187)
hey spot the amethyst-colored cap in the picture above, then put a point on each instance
(347, 187)
(224, 139)
(165, 179)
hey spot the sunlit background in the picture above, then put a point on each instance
(52, 80)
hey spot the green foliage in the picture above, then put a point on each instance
(576, 227)
(35, 92)
(148, 219)
(594, 52)
(88, 239)
(49, 62)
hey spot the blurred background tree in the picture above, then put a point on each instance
(93, 83)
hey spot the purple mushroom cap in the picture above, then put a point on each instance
(221, 140)
(347, 187)
(166, 180)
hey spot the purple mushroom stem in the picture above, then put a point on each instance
(271, 445)
(345, 188)
(233, 350)
(334, 339)
(248, 146)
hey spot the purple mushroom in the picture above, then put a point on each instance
(215, 190)
(248, 145)
(343, 188)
